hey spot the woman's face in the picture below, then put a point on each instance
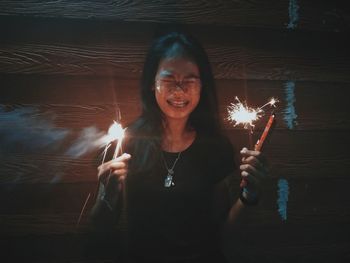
(177, 87)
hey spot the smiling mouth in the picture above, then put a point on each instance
(178, 104)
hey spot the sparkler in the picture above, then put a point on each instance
(242, 114)
(259, 144)
(115, 133)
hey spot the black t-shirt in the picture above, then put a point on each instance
(177, 221)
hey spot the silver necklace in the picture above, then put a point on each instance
(168, 182)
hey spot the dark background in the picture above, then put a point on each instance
(69, 65)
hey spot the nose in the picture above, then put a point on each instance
(180, 86)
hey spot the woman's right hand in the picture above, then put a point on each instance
(111, 176)
(114, 171)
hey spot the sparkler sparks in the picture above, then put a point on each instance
(115, 133)
(240, 113)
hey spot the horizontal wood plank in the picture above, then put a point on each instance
(45, 211)
(80, 102)
(301, 154)
(330, 16)
(68, 66)
(112, 50)
(285, 243)
(291, 154)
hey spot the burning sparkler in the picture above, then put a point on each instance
(242, 114)
(115, 133)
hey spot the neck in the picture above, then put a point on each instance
(177, 136)
(174, 129)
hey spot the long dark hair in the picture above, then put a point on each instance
(146, 131)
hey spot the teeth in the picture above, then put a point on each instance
(178, 104)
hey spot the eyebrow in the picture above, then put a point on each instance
(165, 73)
(192, 76)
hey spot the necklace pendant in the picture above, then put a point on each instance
(168, 182)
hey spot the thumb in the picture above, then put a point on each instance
(123, 157)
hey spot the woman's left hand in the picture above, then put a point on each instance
(253, 171)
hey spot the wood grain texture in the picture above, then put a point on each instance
(317, 217)
(330, 16)
(76, 102)
(269, 246)
(111, 50)
(292, 154)
(68, 65)
(38, 206)
(228, 62)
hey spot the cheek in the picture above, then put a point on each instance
(195, 99)
(160, 98)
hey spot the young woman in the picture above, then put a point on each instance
(171, 178)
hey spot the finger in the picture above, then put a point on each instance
(124, 157)
(117, 176)
(114, 162)
(252, 160)
(252, 170)
(257, 154)
(119, 172)
(104, 169)
(250, 179)
(117, 165)
(101, 172)
(258, 164)
(121, 178)
(246, 153)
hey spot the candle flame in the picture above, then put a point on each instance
(240, 113)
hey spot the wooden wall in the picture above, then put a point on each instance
(68, 65)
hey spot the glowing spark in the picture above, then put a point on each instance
(115, 133)
(240, 113)
(82, 210)
(105, 152)
(272, 103)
